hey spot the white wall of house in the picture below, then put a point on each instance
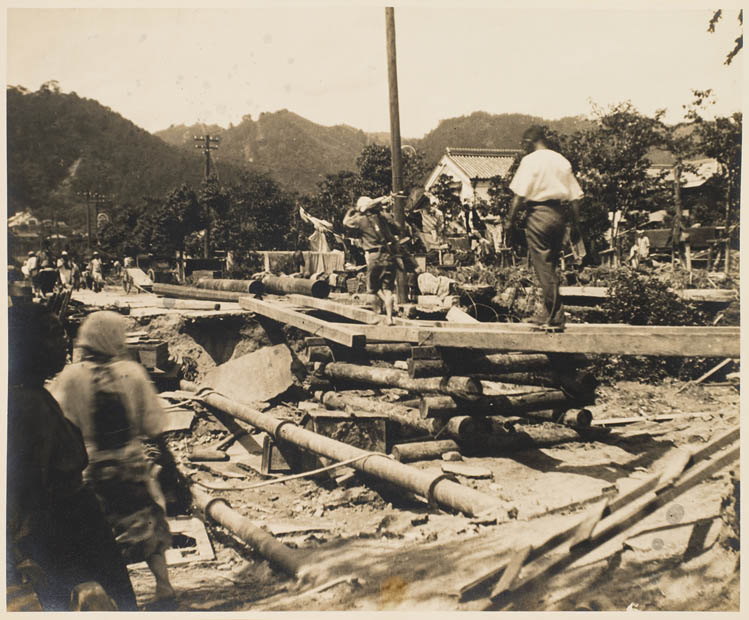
(448, 167)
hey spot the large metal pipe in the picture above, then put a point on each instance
(390, 377)
(274, 551)
(431, 485)
(281, 285)
(191, 292)
(253, 287)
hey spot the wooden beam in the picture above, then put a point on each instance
(580, 338)
(355, 313)
(278, 312)
(697, 342)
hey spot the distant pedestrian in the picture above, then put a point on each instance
(65, 271)
(543, 183)
(639, 253)
(30, 269)
(95, 269)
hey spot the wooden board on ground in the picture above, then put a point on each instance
(694, 294)
(177, 419)
(193, 528)
(468, 471)
(138, 277)
(257, 376)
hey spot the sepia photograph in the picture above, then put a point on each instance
(354, 307)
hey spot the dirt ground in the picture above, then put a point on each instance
(372, 547)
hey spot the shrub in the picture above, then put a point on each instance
(639, 301)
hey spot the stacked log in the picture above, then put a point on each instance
(475, 400)
(390, 377)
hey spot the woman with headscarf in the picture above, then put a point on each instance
(111, 399)
(57, 536)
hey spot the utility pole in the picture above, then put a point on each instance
(727, 264)
(207, 143)
(91, 198)
(395, 138)
(676, 231)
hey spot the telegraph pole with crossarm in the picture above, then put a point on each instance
(96, 199)
(207, 143)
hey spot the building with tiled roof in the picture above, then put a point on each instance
(695, 173)
(472, 170)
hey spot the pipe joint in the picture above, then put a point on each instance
(279, 426)
(430, 491)
(206, 510)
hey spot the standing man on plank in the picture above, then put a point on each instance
(380, 244)
(543, 184)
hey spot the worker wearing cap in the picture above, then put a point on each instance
(379, 236)
(543, 184)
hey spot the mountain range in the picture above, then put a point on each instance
(61, 145)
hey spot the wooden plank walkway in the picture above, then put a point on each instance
(577, 338)
(278, 311)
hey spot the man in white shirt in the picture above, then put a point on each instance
(542, 184)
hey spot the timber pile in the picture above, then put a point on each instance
(456, 400)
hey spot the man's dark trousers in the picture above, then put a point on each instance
(544, 231)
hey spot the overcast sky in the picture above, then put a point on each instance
(158, 67)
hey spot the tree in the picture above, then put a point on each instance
(253, 214)
(446, 192)
(164, 227)
(375, 169)
(611, 163)
(500, 194)
(720, 138)
(738, 43)
(335, 194)
(214, 202)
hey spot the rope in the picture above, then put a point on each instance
(313, 472)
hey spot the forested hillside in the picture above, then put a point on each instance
(60, 144)
(295, 151)
(489, 131)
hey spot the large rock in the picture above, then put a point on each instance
(254, 377)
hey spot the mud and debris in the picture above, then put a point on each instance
(371, 546)
(387, 550)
